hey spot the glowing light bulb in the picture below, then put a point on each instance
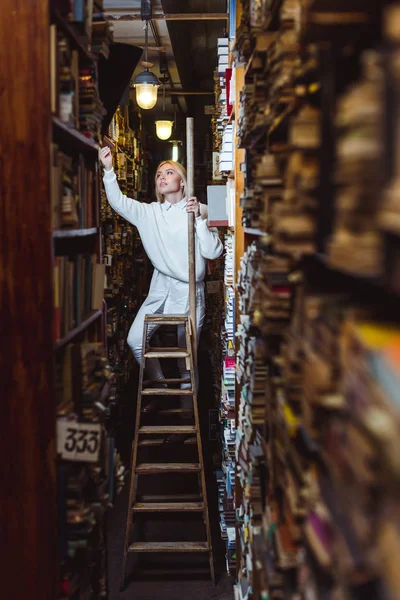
(146, 95)
(164, 129)
(175, 152)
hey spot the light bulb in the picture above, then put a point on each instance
(175, 153)
(146, 95)
(164, 129)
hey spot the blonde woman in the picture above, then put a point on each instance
(163, 229)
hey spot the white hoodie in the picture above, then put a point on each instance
(163, 229)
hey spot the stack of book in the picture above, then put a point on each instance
(226, 481)
(223, 55)
(78, 290)
(91, 109)
(357, 242)
(226, 153)
(64, 79)
(73, 189)
(81, 535)
(102, 36)
(227, 494)
(85, 371)
(213, 323)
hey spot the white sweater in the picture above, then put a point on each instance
(163, 229)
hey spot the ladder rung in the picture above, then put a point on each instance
(166, 353)
(166, 392)
(166, 319)
(169, 547)
(170, 498)
(175, 411)
(161, 441)
(160, 429)
(191, 571)
(168, 507)
(166, 381)
(152, 468)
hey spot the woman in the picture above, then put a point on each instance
(163, 230)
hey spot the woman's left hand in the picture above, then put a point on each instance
(193, 205)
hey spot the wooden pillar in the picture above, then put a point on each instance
(240, 156)
(27, 430)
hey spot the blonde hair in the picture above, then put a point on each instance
(180, 170)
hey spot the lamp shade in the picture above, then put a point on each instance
(146, 85)
(164, 129)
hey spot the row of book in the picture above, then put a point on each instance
(102, 36)
(212, 327)
(74, 189)
(82, 374)
(74, 87)
(84, 503)
(226, 476)
(78, 290)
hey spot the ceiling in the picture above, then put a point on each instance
(190, 46)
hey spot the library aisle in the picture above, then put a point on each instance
(286, 485)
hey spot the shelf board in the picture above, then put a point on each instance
(79, 329)
(363, 283)
(72, 34)
(254, 231)
(72, 137)
(74, 233)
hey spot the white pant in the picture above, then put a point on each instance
(153, 366)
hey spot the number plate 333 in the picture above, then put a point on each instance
(78, 441)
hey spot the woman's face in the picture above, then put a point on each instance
(168, 179)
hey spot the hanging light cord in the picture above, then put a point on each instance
(146, 40)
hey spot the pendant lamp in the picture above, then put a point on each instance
(164, 126)
(146, 83)
(164, 129)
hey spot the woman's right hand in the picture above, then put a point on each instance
(105, 158)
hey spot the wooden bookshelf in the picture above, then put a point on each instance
(311, 293)
(27, 440)
(78, 275)
(72, 138)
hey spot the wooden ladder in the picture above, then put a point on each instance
(144, 436)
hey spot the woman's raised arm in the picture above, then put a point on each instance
(131, 210)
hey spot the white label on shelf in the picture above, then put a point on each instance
(78, 441)
(213, 287)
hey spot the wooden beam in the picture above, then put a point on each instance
(28, 502)
(120, 14)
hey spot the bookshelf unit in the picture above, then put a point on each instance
(83, 378)
(316, 195)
